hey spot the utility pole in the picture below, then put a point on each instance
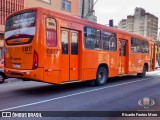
(82, 15)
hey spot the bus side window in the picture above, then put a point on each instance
(138, 45)
(109, 41)
(64, 39)
(74, 43)
(88, 38)
(98, 39)
(92, 38)
(144, 46)
(51, 32)
(135, 45)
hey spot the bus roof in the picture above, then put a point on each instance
(82, 21)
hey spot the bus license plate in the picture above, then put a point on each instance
(16, 65)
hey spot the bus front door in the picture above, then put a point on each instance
(123, 57)
(69, 59)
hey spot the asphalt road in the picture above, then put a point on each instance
(120, 94)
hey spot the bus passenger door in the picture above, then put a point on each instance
(123, 64)
(69, 59)
(74, 38)
(65, 55)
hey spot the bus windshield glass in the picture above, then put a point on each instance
(21, 25)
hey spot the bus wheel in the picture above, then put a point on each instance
(101, 77)
(143, 74)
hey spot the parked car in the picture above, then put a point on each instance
(2, 75)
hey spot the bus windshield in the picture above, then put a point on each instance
(20, 26)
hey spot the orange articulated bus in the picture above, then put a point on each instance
(47, 46)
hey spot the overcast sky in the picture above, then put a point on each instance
(119, 9)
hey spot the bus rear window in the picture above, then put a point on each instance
(20, 28)
(19, 21)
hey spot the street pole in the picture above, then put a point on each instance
(82, 15)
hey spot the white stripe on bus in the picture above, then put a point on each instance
(27, 31)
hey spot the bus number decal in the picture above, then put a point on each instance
(51, 51)
(27, 49)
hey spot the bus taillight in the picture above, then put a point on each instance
(35, 60)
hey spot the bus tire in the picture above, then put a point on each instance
(143, 74)
(101, 76)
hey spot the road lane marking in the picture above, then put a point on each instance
(70, 95)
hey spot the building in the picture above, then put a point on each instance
(142, 23)
(7, 7)
(69, 7)
(86, 10)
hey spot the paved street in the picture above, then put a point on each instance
(120, 94)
